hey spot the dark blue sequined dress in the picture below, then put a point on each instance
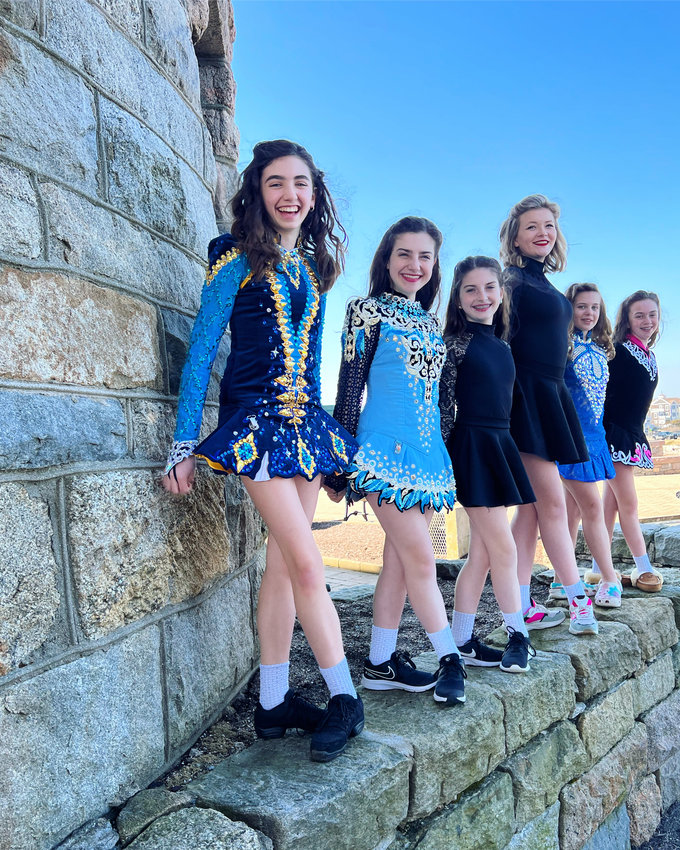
(271, 423)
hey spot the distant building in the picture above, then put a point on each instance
(663, 410)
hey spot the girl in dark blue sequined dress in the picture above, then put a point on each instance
(267, 283)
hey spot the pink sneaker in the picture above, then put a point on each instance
(582, 617)
(608, 594)
(540, 617)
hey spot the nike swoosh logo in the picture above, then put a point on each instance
(374, 674)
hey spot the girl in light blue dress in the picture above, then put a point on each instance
(586, 378)
(393, 347)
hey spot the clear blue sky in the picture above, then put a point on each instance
(456, 110)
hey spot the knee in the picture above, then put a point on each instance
(307, 574)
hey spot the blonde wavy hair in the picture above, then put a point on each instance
(556, 261)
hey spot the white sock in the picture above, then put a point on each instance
(596, 567)
(462, 626)
(443, 642)
(525, 595)
(273, 684)
(516, 621)
(574, 590)
(642, 563)
(338, 679)
(383, 644)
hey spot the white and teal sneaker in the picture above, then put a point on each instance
(557, 590)
(582, 618)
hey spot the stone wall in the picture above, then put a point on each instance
(126, 617)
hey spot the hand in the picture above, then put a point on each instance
(332, 495)
(180, 479)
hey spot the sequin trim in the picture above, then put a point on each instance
(179, 451)
(646, 359)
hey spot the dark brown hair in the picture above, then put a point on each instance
(253, 230)
(380, 280)
(455, 317)
(601, 334)
(622, 326)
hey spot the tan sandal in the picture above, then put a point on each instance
(648, 582)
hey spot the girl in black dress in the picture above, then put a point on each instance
(478, 377)
(633, 377)
(543, 422)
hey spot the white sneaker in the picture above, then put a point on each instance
(540, 617)
(583, 620)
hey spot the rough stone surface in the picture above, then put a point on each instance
(191, 829)
(41, 429)
(655, 683)
(444, 765)
(198, 15)
(29, 585)
(614, 834)
(177, 329)
(24, 13)
(52, 125)
(153, 424)
(218, 86)
(607, 720)
(534, 701)
(226, 180)
(64, 329)
(203, 662)
(145, 807)
(150, 550)
(274, 787)
(219, 35)
(542, 833)
(149, 183)
(542, 767)
(223, 131)
(20, 234)
(482, 819)
(350, 594)
(127, 14)
(669, 781)
(168, 39)
(103, 715)
(591, 798)
(663, 730)
(676, 664)
(89, 237)
(644, 810)
(667, 546)
(600, 662)
(95, 835)
(651, 620)
(620, 550)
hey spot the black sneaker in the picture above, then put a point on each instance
(517, 652)
(450, 687)
(343, 718)
(478, 654)
(399, 672)
(294, 712)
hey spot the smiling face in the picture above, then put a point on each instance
(587, 306)
(288, 195)
(411, 262)
(536, 234)
(643, 318)
(480, 295)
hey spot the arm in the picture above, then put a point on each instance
(447, 392)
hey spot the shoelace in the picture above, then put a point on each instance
(339, 717)
(452, 660)
(404, 658)
(516, 638)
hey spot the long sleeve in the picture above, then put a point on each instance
(447, 392)
(212, 320)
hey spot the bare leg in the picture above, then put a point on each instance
(490, 526)
(285, 505)
(621, 497)
(573, 513)
(525, 533)
(390, 590)
(587, 497)
(472, 577)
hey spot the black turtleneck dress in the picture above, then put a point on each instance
(543, 420)
(475, 397)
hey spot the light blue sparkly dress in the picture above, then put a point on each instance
(394, 348)
(586, 378)
(271, 423)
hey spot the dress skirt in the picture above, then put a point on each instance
(599, 467)
(629, 446)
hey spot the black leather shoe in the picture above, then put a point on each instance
(344, 718)
(294, 712)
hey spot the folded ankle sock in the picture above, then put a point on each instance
(383, 644)
(462, 626)
(273, 684)
(443, 642)
(574, 590)
(643, 564)
(516, 621)
(596, 568)
(338, 679)
(525, 595)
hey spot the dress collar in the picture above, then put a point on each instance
(638, 342)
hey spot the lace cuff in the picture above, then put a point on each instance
(178, 452)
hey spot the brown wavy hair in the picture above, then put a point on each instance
(601, 334)
(379, 278)
(556, 261)
(622, 326)
(253, 230)
(455, 317)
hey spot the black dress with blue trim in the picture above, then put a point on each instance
(271, 422)
(633, 378)
(543, 421)
(393, 347)
(586, 378)
(475, 398)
